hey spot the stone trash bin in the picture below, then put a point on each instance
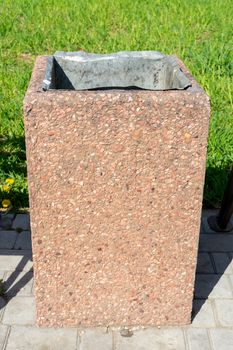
(116, 150)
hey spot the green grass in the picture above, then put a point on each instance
(198, 31)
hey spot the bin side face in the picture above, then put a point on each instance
(115, 181)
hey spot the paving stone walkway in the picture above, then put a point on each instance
(211, 329)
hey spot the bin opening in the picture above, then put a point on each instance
(148, 70)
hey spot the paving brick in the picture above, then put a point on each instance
(231, 280)
(97, 339)
(212, 286)
(217, 242)
(19, 283)
(203, 315)
(222, 263)
(9, 216)
(20, 311)
(198, 339)
(230, 267)
(152, 338)
(3, 334)
(209, 212)
(202, 228)
(205, 227)
(205, 214)
(33, 288)
(224, 310)
(204, 264)
(15, 260)
(222, 339)
(7, 239)
(22, 222)
(6, 221)
(32, 338)
(204, 223)
(23, 241)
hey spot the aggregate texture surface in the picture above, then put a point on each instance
(115, 182)
(212, 315)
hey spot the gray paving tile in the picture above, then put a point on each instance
(7, 239)
(205, 215)
(205, 226)
(198, 339)
(23, 240)
(20, 311)
(32, 338)
(212, 286)
(6, 221)
(222, 339)
(9, 215)
(97, 339)
(230, 267)
(202, 228)
(231, 280)
(204, 264)
(15, 260)
(209, 212)
(3, 334)
(18, 283)
(224, 310)
(22, 222)
(33, 288)
(217, 242)
(222, 263)
(203, 315)
(152, 338)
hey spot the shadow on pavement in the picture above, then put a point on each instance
(16, 280)
(213, 265)
(12, 289)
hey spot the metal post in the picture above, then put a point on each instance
(222, 221)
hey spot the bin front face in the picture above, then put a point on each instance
(115, 182)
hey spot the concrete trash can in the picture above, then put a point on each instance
(116, 149)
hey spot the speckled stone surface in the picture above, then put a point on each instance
(115, 181)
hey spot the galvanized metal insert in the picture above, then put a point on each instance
(150, 70)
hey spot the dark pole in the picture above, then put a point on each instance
(227, 204)
(222, 221)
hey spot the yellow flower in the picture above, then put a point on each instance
(9, 181)
(6, 188)
(6, 203)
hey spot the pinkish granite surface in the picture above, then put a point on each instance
(115, 181)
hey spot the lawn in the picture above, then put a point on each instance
(198, 31)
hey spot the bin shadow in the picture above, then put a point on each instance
(12, 288)
(214, 264)
(15, 281)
